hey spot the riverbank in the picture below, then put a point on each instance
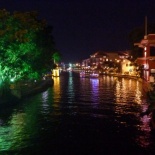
(28, 89)
(25, 89)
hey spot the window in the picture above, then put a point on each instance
(152, 51)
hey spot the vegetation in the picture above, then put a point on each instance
(26, 46)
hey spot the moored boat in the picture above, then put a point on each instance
(94, 75)
(84, 74)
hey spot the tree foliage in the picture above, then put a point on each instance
(26, 46)
(56, 57)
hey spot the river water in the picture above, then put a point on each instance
(79, 116)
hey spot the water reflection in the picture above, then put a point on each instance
(18, 130)
(129, 95)
(94, 90)
(144, 126)
(5, 140)
(13, 135)
(128, 91)
(45, 104)
(56, 90)
(71, 89)
(79, 114)
(138, 93)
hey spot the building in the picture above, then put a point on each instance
(128, 68)
(105, 61)
(148, 59)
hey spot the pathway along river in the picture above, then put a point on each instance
(79, 116)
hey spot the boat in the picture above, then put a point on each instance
(31, 89)
(94, 75)
(84, 74)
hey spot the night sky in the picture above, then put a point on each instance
(81, 27)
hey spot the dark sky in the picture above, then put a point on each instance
(81, 27)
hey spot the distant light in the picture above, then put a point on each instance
(12, 80)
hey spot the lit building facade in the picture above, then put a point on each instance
(102, 60)
(128, 67)
(148, 59)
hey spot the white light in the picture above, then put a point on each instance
(145, 54)
(12, 80)
(145, 48)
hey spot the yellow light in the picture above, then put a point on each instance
(55, 72)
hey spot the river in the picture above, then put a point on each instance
(79, 116)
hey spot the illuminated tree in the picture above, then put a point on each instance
(56, 57)
(26, 46)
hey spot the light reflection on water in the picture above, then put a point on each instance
(56, 90)
(45, 100)
(128, 95)
(94, 90)
(104, 107)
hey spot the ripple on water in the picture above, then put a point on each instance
(80, 116)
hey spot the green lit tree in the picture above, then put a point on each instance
(56, 58)
(26, 46)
